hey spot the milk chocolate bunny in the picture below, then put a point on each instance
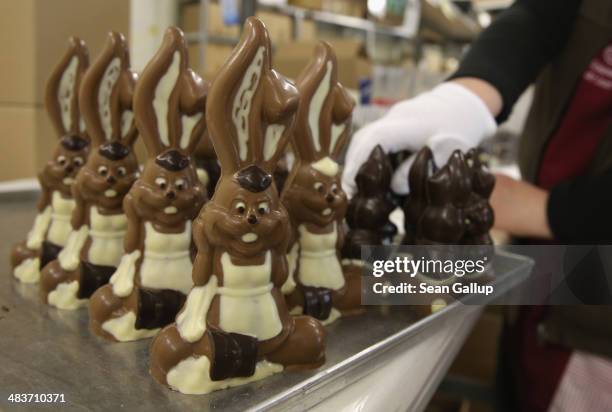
(95, 245)
(235, 327)
(313, 195)
(51, 228)
(154, 275)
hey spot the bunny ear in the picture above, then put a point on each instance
(169, 99)
(324, 114)
(62, 91)
(422, 168)
(341, 120)
(251, 117)
(106, 94)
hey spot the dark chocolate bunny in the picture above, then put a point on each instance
(368, 211)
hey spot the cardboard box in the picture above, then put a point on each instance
(308, 31)
(190, 18)
(307, 4)
(18, 52)
(280, 27)
(355, 8)
(291, 58)
(216, 56)
(17, 157)
(35, 36)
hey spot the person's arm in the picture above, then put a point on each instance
(572, 212)
(520, 208)
(510, 53)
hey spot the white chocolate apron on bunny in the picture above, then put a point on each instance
(167, 262)
(246, 304)
(55, 222)
(246, 307)
(61, 212)
(318, 260)
(106, 234)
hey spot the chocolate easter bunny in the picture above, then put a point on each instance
(422, 168)
(235, 327)
(313, 195)
(368, 211)
(154, 274)
(448, 189)
(51, 228)
(95, 246)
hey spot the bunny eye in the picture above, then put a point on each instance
(240, 208)
(161, 182)
(78, 161)
(263, 208)
(103, 170)
(121, 171)
(180, 184)
(334, 188)
(61, 160)
(318, 187)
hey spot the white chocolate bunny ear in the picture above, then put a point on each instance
(169, 99)
(106, 95)
(62, 91)
(251, 116)
(324, 115)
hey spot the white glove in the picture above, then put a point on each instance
(446, 118)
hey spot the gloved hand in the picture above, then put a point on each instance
(447, 118)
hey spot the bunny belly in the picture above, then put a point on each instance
(319, 265)
(246, 304)
(106, 234)
(61, 212)
(170, 271)
(106, 251)
(167, 260)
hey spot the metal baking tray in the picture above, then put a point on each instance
(45, 350)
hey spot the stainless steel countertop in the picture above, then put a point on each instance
(45, 350)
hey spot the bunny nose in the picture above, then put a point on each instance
(170, 194)
(252, 219)
(329, 198)
(111, 179)
(68, 169)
